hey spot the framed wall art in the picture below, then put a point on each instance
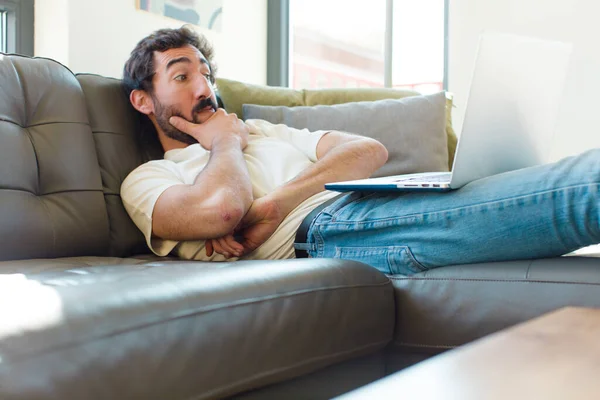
(203, 13)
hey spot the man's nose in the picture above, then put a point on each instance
(203, 87)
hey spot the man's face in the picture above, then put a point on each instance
(182, 88)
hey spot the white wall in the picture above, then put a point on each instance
(97, 36)
(51, 36)
(566, 20)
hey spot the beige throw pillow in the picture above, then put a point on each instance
(413, 129)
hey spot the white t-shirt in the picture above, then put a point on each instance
(275, 155)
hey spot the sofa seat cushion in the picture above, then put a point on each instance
(447, 307)
(181, 330)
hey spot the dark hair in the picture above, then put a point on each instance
(139, 68)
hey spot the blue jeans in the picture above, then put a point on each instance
(537, 212)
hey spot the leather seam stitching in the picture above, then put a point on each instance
(492, 280)
(51, 193)
(430, 346)
(111, 133)
(43, 123)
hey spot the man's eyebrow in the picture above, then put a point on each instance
(184, 60)
(177, 60)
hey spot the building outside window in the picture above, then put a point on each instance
(387, 43)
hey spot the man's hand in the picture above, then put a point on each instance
(219, 125)
(259, 223)
(262, 219)
(226, 245)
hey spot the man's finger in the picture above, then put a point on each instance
(233, 243)
(182, 124)
(226, 245)
(209, 248)
(222, 249)
(218, 248)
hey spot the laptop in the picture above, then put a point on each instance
(510, 117)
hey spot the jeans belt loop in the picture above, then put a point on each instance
(301, 245)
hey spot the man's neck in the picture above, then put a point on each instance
(171, 144)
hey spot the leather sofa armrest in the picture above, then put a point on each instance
(186, 329)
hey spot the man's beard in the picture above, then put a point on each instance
(163, 113)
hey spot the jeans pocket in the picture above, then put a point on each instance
(393, 260)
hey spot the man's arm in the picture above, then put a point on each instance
(341, 157)
(220, 196)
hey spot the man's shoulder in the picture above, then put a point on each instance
(154, 169)
(153, 166)
(262, 127)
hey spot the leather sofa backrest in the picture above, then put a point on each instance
(66, 144)
(51, 198)
(113, 123)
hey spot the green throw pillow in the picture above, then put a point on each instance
(235, 94)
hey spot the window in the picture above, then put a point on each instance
(2, 31)
(418, 55)
(387, 43)
(16, 26)
(337, 43)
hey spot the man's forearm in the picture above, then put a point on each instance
(226, 176)
(356, 159)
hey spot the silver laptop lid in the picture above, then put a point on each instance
(512, 106)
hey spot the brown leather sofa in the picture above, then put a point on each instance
(87, 313)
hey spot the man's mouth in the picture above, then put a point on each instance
(205, 105)
(200, 111)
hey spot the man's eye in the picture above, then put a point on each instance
(208, 77)
(180, 78)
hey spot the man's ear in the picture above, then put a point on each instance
(141, 101)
